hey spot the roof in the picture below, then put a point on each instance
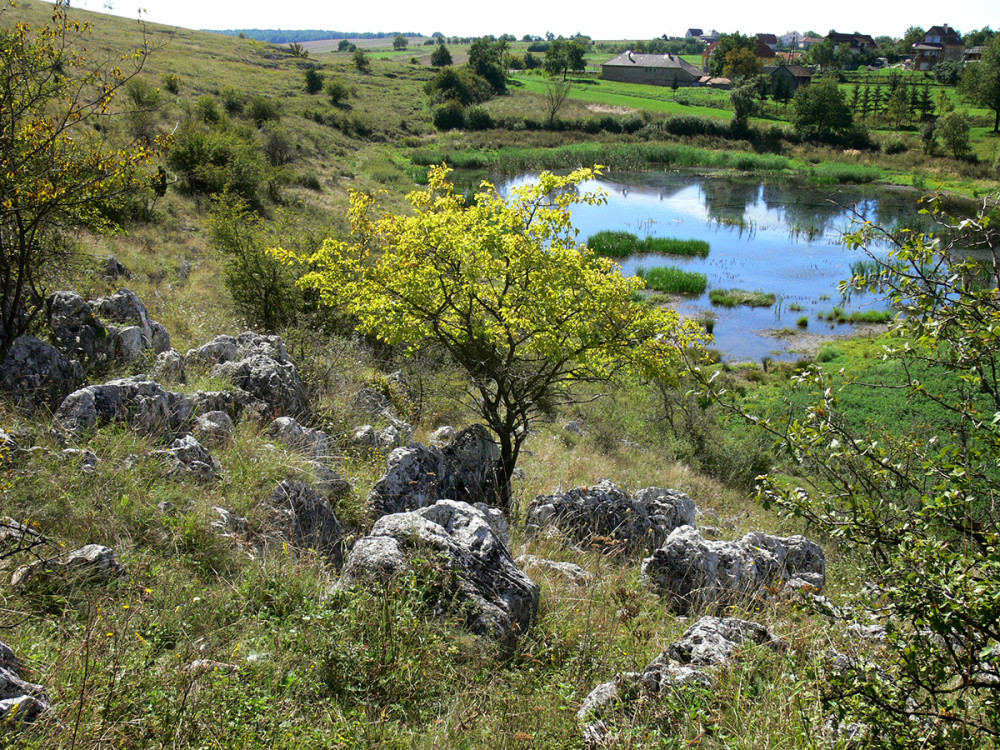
(694, 32)
(768, 38)
(811, 39)
(797, 71)
(947, 34)
(853, 39)
(629, 60)
(762, 50)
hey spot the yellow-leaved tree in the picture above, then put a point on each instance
(59, 167)
(502, 284)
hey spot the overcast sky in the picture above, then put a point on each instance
(640, 19)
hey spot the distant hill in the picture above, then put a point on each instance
(279, 36)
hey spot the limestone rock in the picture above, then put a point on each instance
(229, 523)
(76, 331)
(93, 563)
(573, 573)
(695, 574)
(442, 436)
(169, 367)
(214, 427)
(329, 482)
(112, 269)
(20, 701)
(275, 382)
(218, 350)
(709, 643)
(382, 441)
(143, 404)
(314, 444)
(187, 457)
(37, 374)
(605, 515)
(499, 600)
(125, 307)
(419, 475)
(307, 520)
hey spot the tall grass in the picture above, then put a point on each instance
(621, 156)
(833, 173)
(736, 297)
(620, 244)
(673, 280)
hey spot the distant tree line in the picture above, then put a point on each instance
(278, 36)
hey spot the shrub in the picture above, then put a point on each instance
(338, 91)
(477, 118)
(233, 101)
(261, 109)
(206, 110)
(449, 116)
(208, 162)
(171, 83)
(314, 81)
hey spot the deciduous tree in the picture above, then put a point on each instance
(980, 82)
(503, 287)
(57, 172)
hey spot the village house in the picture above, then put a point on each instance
(790, 40)
(856, 43)
(795, 75)
(939, 43)
(763, 51)
(809, 41)
(657, 70)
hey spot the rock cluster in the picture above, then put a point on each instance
(710, 643)
(695, 574)
(20, 701)
(609, 517)
(494, 597)
(420, 475)
(92, 563)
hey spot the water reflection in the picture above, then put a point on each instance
(779, 236)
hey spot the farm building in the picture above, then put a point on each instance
(658, 70)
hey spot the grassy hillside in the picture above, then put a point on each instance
(292, 662)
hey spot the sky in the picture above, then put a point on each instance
(639, 19)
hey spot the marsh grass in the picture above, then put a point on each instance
(621, 244)
(738, 297)
(673, 280)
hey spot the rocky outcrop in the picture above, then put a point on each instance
(187, 457)
(306, 520)
(76, 331)
(708, 644)
(695, 574)
(606, 516)
(275, 382)
(381, 441)
(20, 701)
(214, 427)
(223, 349)
(143, 404)
(93, 564)
(494, 596)
(572, 573)
(37, 374)
(125, 308)
(113, 269)
(169, 367)
(419, 475)
(314, 444)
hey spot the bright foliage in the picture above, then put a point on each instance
(502, 284)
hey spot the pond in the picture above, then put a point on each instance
(782, 237)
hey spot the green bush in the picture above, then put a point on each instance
(477, 118)
(263, 288)
(338, 91)
(206, 110)
(208, 162)
(261, 109)
(233, 101)
(171, 83)
(449, 116)
(314, 81)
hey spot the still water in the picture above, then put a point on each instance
(782, 237)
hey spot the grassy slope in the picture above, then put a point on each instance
(374, 668)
